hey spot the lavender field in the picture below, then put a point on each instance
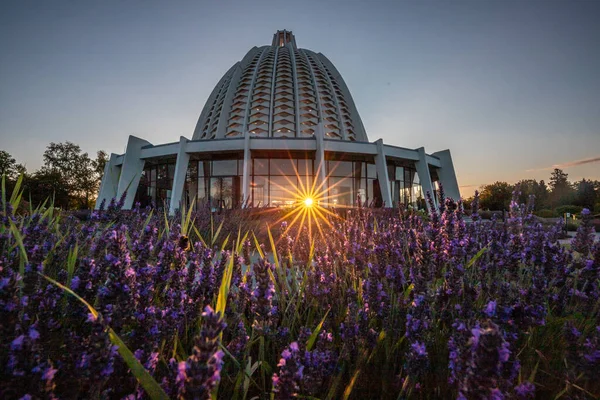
(135, 304)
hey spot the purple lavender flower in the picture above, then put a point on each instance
(202, 370)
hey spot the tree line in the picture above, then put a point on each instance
(557, 194)
(68, 176)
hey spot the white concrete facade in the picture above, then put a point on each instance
(278, 99)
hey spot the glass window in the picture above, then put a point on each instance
(340, 168)
(224, 168)
(283, 167)
(204, 168)
(391, 170)
(305, 167)
(261, 166)
(371, 171)
(340, 191)
(399, 173)
(283, 190)
(305, 183)
(203, 185)
(370, 192)
(260, 191)
(408, 177)
(221, 192)
(153, 174)
(162, 180)
(192, 172)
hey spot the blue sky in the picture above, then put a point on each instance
(512, 88)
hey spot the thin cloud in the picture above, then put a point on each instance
(568, 164)
(469, 186)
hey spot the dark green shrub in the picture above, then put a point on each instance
(572, 225)
(545, 213)
(568, 209)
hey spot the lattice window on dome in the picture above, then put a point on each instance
(237, 110)
(283, 114)
(258, 122)
(258, 132)
(333, 135)
(284, 122)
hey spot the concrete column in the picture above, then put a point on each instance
(110, 181)
(382, 174)
(447, 175)
(246, 172)
(320, 176)
(181, 167)
(131, 171)
(424, 176)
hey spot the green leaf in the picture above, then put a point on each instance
(216, 235)
(476, 257)
(23, 259)
(146, 380)
(224, 288)
(260, 252)
(4, 193)
(15, 198)
(273, 248)
(313, 336)
(199, 235)
(71, 261)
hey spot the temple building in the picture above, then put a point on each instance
(280, 125)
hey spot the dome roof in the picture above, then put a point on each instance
(281, 91)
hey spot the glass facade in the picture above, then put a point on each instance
(277, 182)
(351, 183)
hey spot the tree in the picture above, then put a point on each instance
(10, 167)
(562, 192)
(80, 175)
(100, 163)
(585, 195)
(496, 196)
(531, 187)
(46, 185)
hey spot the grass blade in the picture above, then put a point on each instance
(313, 337)
(273, 248)
(224, 288)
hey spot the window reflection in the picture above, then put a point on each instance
(276, 182)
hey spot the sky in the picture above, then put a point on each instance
(512, 88)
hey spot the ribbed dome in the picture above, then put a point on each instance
(281, 91)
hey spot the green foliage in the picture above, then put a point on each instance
(572, 225)
(9, 166)
(560, 211)
(586, 195)
(496, 196)
(562, 191)
(531, 187)
(545, 213)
